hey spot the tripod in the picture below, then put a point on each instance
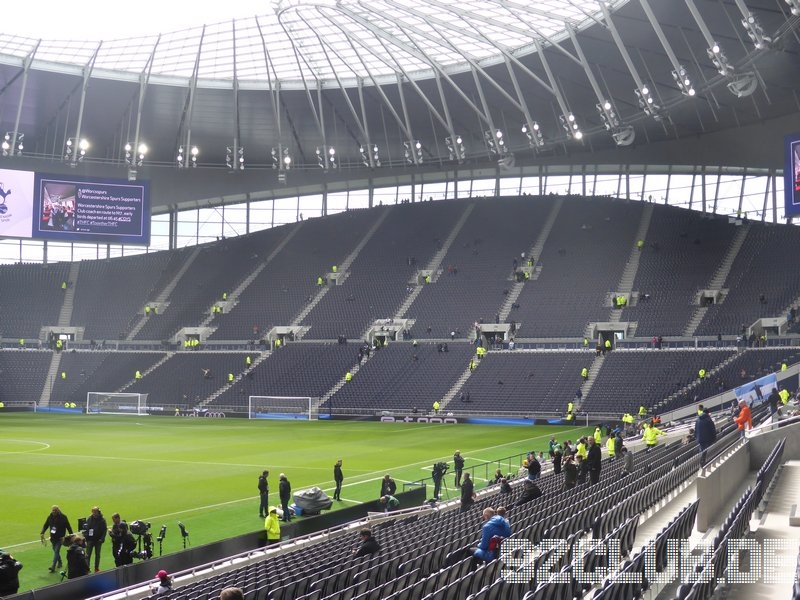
(145, 540)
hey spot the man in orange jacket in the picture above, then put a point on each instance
(745, 419)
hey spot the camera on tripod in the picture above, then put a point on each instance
(440, 468)
(144, 542)
(139, 527)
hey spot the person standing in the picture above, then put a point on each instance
(458, 466)
(96, 530)
(705, 432)
(595, 460)
(570, 473)
(627, 461)
(534, 467)
(263, 491)
(558, 458)
(388, 486)
(651, 433)
(467, 492)
(285, 491)
(745, 419)
(272, 526)
(338, 478)
(58, 525)
(115, 533)
(127, 544)
(439, 469)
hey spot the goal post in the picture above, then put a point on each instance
(280, 407)
(112, 403)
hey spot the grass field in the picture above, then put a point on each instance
(203, 472)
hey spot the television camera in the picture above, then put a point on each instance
(144, 540)
(184, 533)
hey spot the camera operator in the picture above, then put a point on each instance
(123, 555)
(95, 533)
(439, 469)
(77, 561)
(9, 574)
(115, 533)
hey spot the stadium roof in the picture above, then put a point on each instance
(313, 40)
(389, 86)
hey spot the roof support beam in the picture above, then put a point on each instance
(186, 119)
(26, 67)
(621, 47)
(562, 104)
(144, 79)
(87, 73)
(272, 75)
(586, 67)
(236, 164)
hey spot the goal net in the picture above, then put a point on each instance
(280, 407)
(116, 403)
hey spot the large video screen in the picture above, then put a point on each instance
(79, 209)
(791, 174)
(16, 202)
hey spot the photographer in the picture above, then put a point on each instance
(9, 574)
(95, 533)
(123, 555)
(77, 562)
(115, 533)
(439, 469)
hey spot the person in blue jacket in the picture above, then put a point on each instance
(489, 546)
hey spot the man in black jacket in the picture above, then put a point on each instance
(388, 486)
(705, 432)
(263, 492)
(9, 574)
(594, 458)
(58, 525)
(285, 492)
(96, 529)
(127, 545)
(458, 466)
(439, 469)
(368, 544)
(774, 402)
(467, 492)
(338, 478)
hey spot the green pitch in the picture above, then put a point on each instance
(203, 472)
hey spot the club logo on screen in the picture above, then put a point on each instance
(4, 193)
